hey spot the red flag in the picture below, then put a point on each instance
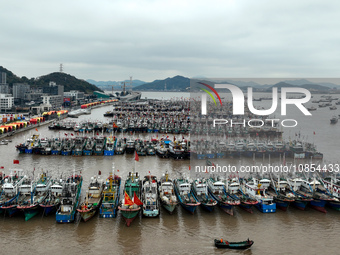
(117, 170)
(100, 172)
(189, 168)
(36, 129)
(71, 134)
(127, 199)
(15, 161)
(136, 199)
(65, 134)
(2, 167)
(136, 156)
(314, 132)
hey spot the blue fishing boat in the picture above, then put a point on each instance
(111, 193)
(109, 149)
(89, 147)
(302, 199)
(78, 147)
(333, 186)
(100, 145)
(69, 199)
(202, 195)
(184, 195)
(68, 145)
(256, 188)
(10, 190)
(53, 199)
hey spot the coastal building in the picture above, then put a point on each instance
(53, 89)
(74, 95)
(4, 88)
(6, 102)
(20, 91)
(51, 102)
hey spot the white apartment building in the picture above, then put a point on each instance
(6, 101)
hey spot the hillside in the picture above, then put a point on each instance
(177, 83)
(310, 87)
(70, 82)
(117, 85)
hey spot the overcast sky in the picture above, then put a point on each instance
(113, 39)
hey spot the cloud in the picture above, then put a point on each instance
(111, 40)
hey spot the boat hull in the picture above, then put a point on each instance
(265, 208)
(301, 205)
(48, 209)
(169, 207)
(318, 205)
(129, 215)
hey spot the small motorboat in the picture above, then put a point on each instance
(233, 245)
(3, 142)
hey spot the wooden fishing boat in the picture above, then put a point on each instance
(233, 245)
(93, 200)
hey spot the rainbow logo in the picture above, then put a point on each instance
(209, 93)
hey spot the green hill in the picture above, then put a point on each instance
(70, 82)
(177, 83)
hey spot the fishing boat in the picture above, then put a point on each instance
(184, 195)
(280, 190)
(235, 191)
(162, 149)
(302, 199)
(150, 196)
(120, 147)
(25, 193)
(217, 190)
(318, 192)
(130, 146)
(233, 245)
(89, 147)
(256, 188)
(39, 192)
(109, 148)
(128, 207)
(9, 193)
(100, 145)
(111, 193)
(57, 146)
(333, 186)
(52, 202)
(167, 194)
(201, 193)
(79, 145)
(93, 199)
(68, 145)
(69, 199)
(176, 150)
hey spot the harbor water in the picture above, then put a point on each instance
(290, 232)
